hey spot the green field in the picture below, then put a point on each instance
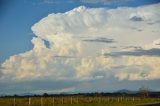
(76, 101)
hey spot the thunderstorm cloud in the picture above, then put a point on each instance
(63, 50)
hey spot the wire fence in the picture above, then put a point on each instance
(54, 101)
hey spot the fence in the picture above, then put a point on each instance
(54, 101)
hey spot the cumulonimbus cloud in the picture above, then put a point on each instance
(68, 57)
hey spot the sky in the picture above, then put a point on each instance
(74, 46)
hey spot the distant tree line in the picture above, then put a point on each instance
(142, 93)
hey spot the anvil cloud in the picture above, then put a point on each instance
(79, 41)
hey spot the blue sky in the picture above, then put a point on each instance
(17, 17)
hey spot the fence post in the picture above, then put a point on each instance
(53, 100)
(14, 101)
(99, 100)
(41, 101)
(29, 101)
(71, 100)
(62, 99)
(77, 99)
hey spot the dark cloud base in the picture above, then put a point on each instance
(100, 40)
(138, 52)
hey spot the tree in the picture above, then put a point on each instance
(45, 94)
(143, 91)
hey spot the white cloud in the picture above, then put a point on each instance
(140, 68)
(65, 33)
(93, 67)
(56, 91)
(154, 44)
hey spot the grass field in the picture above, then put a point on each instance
(76, 101)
